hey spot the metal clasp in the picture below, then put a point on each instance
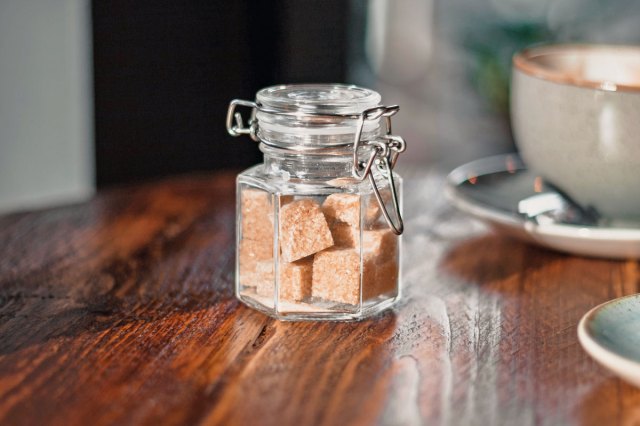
(384, 155)
(238, 128)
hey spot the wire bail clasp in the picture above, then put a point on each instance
(384, 155)
(238, 128)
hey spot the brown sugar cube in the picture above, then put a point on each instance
(249, 276)
(250, 253)
(257, 215)
(382, 243)
(336, 275)
(345, 235)
(303, 230)
(372, 212)
(295, 280)
(346, 208)
(381, 268)
(257, 250)
(247, 269)
(342, 208)
(385, 280)
(264, 278)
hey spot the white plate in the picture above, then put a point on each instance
(491, 188)
(610, 334)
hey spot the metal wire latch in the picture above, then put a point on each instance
(384, 155)
(238, 128)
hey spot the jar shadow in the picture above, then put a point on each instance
(611, 396)
(493, 261)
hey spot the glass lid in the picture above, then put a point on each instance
(318, 98)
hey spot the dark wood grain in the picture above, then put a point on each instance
(121, 311)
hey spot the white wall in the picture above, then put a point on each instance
(46, 140)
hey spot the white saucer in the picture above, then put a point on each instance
(492, 188)
(609, 333)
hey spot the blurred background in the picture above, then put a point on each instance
(94, 94)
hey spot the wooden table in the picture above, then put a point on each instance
(121, 311)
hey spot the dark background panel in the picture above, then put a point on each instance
(165, 71)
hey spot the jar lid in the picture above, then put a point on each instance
(314, 115)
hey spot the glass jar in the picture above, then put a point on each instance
(318, 222)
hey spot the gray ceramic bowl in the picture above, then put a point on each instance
(575, 113)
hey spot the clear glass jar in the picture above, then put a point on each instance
(318, 222)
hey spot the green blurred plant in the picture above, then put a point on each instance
(491, 49)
